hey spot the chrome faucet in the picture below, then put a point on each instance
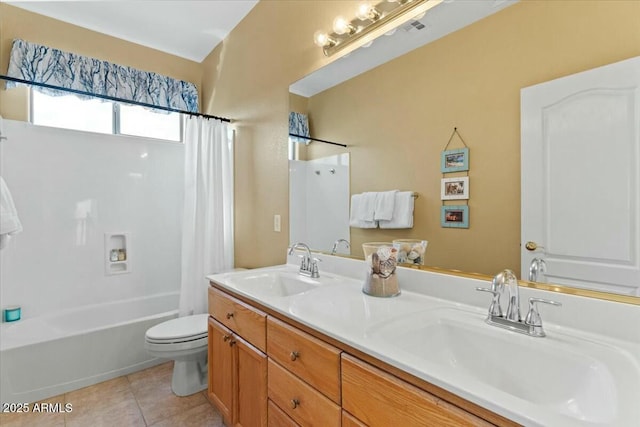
(308, 265)
(513, 309)
(336, 243)
(537, 266)
(532, 325)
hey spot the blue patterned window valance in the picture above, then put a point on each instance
(299, 125)
(42, 64)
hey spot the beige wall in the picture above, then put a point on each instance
(247, 78)
(470, 79)
(397, 127)
(399, 117)
(19, 23)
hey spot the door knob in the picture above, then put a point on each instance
(532, 246)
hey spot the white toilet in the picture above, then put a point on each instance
(185, 341)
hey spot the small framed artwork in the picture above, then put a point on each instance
(455, 216)
(454, 188)
(455, 160)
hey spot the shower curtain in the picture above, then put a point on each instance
(207, 227)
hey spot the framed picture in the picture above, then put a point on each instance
(455, 160)
(455, 216)
(454, 188)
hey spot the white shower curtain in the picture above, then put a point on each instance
(207, 225)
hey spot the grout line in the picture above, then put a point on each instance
(144, 419)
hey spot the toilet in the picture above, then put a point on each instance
(185, 341)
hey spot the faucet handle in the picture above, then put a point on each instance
(533, 318)
(494, 308)
(314, 267)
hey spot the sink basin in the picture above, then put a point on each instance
(274, 283)
(579, 379)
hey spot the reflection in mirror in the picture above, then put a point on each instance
(319, 202)
(396, 119)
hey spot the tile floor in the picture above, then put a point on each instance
(140, 399)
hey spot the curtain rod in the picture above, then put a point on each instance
(112, 98)
(316, 139)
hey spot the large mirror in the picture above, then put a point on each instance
(467, 72)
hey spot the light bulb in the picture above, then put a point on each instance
(342, 26)
(321, 39)
(366, 11)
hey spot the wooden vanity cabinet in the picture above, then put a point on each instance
(237, 367)
(379, 399)
(265, 370)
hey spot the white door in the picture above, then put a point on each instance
(580, 161)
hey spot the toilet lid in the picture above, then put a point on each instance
(180, 329)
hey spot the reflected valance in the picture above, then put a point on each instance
(41, 64)
(299, 125)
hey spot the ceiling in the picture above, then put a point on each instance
(189, 29)
(192, 29)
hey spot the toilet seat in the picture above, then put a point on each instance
(188, 329)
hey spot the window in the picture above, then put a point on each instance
(139, 121)
(95, 115)
(71, 112)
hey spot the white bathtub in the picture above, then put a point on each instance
(53, 354)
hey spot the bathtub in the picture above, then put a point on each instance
(49, 355)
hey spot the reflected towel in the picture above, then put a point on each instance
(367, 207)
(354, 216)
(385, 202)
(9, 222)
(402, 211)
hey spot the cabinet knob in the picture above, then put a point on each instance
(229, 315)
(294, 356)
(232, 343)
(295, 403)
(226, 338)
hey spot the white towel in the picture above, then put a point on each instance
(385, 202)
(9, 222)
(402, 211)
(354, 217)
(367, 207)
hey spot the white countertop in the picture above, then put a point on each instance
(411, 332)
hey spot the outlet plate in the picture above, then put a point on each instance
(276, 223)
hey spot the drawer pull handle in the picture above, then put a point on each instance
(229, 315)
(226, 338)
(294, 356)
(295, 403)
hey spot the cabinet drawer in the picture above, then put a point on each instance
(300, 401)
(277, 417)
(241, 318)
(349, 420)
(380, 399)
(313, 360)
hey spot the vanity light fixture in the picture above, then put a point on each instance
(370, 22)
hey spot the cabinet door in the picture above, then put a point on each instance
(379, 399)
(221, 369)
(252, 385)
